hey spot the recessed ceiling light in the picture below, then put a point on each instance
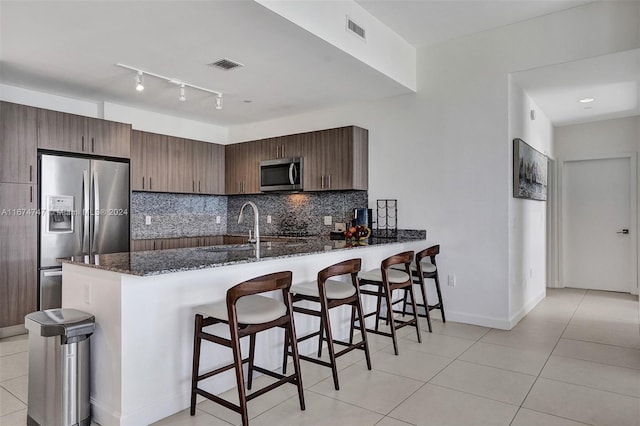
(586, 100)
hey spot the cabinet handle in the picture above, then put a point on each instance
(92, 145)
(329, 186)
(193, 185)
(142, 182)
(31, 194)
(277, 151)
(322, 182)
(150, 183)
(282, 149)
(83, 143)
(30, 173)
(199, 190)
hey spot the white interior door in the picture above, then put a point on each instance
(598, 205)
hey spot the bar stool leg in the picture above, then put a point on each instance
(296, 358)
(320, 336)
(378, 306)
(324, 319)
(390, 320)
(415, 311)
(437, 279)
(252, 351)
(237, 360)
(286, 351)
(423, 289)
(358, 307)
(353, 324)
(196, 363)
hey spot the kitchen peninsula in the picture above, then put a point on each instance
(143, 302)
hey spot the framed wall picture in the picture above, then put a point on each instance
(529, 172)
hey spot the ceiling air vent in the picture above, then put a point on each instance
(355, 29)
(226, 64)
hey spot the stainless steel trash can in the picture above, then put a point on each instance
(59, 367)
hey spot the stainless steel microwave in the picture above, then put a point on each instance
(283, 174)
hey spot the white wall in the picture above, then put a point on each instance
(445, 152)
(527, 218)
(139, 119)
(621, 135)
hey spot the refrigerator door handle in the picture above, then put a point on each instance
(52, 273)
(85, 212)
(96, 208)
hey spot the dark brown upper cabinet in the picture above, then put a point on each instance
(161, 163)
(18, 143)
(59, 131)
(336, 159)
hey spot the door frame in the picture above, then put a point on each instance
(633, 214)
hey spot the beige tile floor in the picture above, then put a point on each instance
(575, 359)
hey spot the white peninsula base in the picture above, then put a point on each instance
(141, 351)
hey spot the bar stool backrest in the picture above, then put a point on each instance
(430, 252)
(263, 284)
(397, 259)
(351, 267)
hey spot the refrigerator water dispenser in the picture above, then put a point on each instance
(60, 214)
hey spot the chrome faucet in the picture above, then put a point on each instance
(256, 227)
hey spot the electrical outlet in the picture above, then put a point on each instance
(218, 219)
(147, 220)
(328, 220)
(268, 218)
(452, 281)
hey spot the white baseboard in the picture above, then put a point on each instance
(526, 309)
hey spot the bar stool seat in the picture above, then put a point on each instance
(393, 275)
(251, 309)
(427, 267)
(334, 289)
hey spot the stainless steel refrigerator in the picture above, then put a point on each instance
(84, 210)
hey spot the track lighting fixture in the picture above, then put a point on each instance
(139, 78)
(139, 81)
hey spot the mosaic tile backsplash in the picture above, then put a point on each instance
(186, 215)
(177, 215)
(295, 214)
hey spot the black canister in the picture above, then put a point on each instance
(362, 217)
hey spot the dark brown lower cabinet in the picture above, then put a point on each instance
(172, 243)
(18, 252)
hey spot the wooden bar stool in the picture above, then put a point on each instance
(331, 294)
(246, 313)
(388, 279)
(421, 270)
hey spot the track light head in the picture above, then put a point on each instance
(182, 94)
(219, 102)
(139, 81)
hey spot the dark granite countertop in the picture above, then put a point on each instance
(147, 263)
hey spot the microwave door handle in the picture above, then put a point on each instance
(85, 212)
(292, 173)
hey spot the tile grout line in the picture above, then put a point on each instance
(547, 361)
